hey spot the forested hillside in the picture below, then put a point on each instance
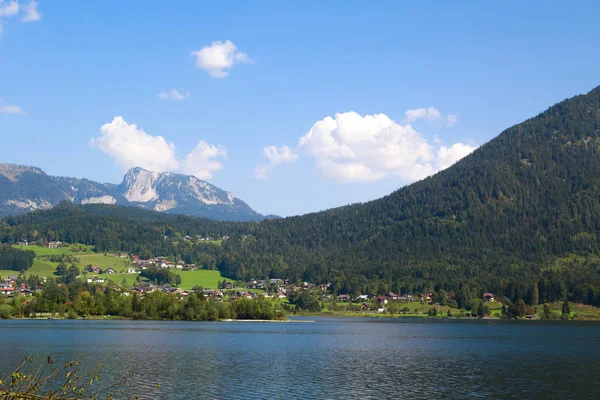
(520, 217)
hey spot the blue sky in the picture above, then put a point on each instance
(328, 84)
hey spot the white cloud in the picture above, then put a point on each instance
(276, 156)
(9, 8)
(10, 109)
(430, 113)
(219, 57)
(446, 156)
(129, 146)
(201, 162)
(452, 118)
(31, 12)
(351, 147)
(174, 95)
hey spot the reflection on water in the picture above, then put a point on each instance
(328, 359)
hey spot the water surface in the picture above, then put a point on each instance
(333, 358)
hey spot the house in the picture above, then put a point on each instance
(362, 297)
(344, 297)
(96, 270)
(39, 287)
(381, 299)
(7, 290)
(228, 285)
(393, 296)
(281, 295)
(97, 279)
(131, 270)
(425, 296)
(23, 243)
(489, 297)
(53, 245)
(110, 271)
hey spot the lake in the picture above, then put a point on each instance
(332, 358)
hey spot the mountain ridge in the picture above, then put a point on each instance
(25, 188)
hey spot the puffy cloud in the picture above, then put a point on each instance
(31, 12)
(446, 156)
(10, 8)
(276, 156)
(201, 161)
(430, 113)
(174, 95)
(217, 58)
(351, 147)
(129, 146)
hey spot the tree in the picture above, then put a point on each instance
(61, 269)
(482, 310)
(535, 295)
(518, 309)
(178, 280)
(73, 270)
(547, 314)
(566, 310)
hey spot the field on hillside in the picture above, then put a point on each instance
(44, 251)
(44, 268)
(206, 279)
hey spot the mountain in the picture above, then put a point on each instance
(183, 194)
(519, 217)
(24, 189)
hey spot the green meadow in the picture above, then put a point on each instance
(206, 279)
(44, 268)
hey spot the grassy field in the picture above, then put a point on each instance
(102, 261)
(206, 279)
(44, 251)
(44, 268)
(40, 267)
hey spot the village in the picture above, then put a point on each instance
(134, 274)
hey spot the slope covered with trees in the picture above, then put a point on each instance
(519, 217)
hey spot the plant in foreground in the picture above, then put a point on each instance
(57, 383)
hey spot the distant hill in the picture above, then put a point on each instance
(24, 189)
(519, 217)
